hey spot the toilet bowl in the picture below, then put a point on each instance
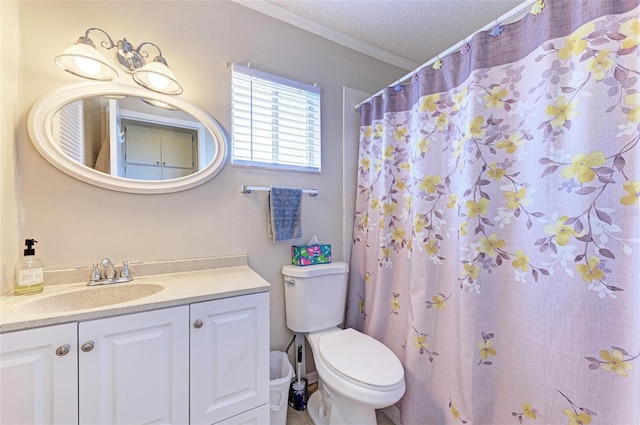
(357, 374)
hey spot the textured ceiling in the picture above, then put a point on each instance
(415, 30)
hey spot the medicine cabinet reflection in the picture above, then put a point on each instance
(111, 136)
(132, 139)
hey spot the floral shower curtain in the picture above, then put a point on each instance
(497, 231)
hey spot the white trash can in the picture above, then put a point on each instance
(280, 376)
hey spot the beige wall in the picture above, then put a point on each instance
(76, 223)
(9, 117)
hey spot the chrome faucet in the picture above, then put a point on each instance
(110, 274)
(109, 271)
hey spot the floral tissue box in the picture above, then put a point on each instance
(306, 255)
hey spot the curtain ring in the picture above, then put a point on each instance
(438, 63)
(496, 30)
(466, 48)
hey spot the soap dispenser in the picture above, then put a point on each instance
(29, 272)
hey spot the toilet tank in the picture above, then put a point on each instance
(315, 296)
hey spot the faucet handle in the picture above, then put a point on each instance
(95, 272)
(125, 267)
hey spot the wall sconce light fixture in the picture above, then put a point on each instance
(84, 60)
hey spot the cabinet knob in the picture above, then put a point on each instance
(87, 346)
(198, 324)
(63, 350)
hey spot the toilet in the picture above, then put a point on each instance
(357, 374)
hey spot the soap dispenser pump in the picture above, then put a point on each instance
(29, 272)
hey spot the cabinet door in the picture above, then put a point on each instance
(134, 369)
(38, 385)
(174, 173)
(143, 172)
(229, 357)
(177, 148)
(143, 144)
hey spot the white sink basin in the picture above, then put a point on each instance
(90, 297)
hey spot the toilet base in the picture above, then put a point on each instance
(313, 408)
(343, 412)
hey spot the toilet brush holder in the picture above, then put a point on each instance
(298, 394)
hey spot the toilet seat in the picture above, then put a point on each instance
(361, 359)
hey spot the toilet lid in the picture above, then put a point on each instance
(360, 359)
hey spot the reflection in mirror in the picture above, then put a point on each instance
(129, 137)
(126, 139)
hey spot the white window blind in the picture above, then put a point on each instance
(275, 122)
(69, 124)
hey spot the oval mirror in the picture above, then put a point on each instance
(126, 138)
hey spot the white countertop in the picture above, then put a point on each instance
(179, 289)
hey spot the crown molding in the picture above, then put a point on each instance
(306, 24)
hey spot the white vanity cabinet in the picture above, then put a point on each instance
(230, 360)
(199, 363)
(39, 376)
(134, 369)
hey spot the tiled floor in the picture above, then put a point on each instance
(295, 417)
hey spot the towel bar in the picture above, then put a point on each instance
(247, 189)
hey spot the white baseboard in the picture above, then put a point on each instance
(312, 377)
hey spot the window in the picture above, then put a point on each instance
(275, 122)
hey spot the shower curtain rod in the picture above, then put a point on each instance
(509, 16)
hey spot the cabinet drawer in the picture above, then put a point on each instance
(258, 416)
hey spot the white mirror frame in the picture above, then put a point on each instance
(40, 130)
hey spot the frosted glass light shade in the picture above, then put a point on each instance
(159, 104)
(85, 61)
(158, 77)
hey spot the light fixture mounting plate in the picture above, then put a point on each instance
(130, 64)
